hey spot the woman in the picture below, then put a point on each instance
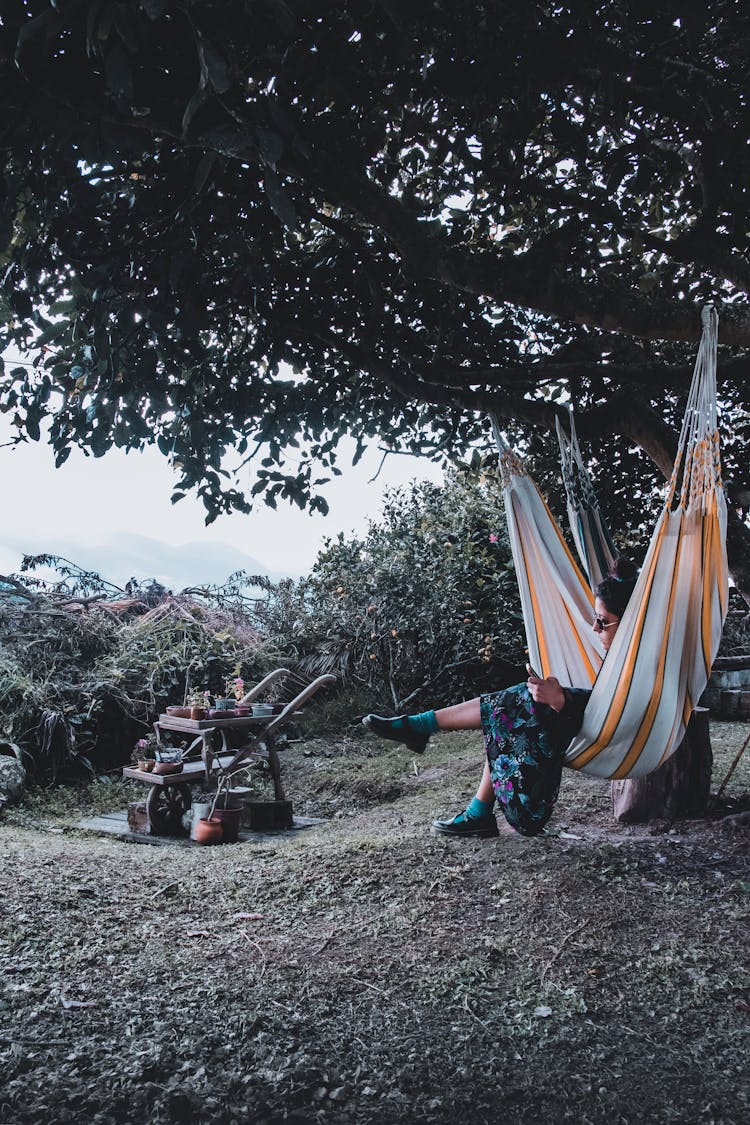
(527, 729)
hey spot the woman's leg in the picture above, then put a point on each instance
(462, 716)
(486, 793)
(415, 730)
(477, 819)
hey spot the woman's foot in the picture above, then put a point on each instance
(400, 729)
(465, 825)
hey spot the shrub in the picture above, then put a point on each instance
(425, 606)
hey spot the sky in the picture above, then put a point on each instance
(100, 501)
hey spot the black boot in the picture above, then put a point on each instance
(398, 730)
(463, 825)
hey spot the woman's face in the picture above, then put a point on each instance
(605, 623)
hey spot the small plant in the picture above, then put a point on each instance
(235, 687)
(223, 788)
(144, 753)
(198, 697)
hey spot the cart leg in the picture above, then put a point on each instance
(275, 766)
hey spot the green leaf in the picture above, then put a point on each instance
(281, 204)
(199, 98)
(214, 67)
(118, 75)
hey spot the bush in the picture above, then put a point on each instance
(425, 607)
(82, 679)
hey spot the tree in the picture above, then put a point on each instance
(424, 608)
(425, 212)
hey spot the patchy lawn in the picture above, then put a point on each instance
(366, 971)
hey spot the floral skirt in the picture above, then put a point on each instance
(525, 744)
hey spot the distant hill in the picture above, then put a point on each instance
(136, 556)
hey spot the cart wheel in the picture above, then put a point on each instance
(166, 805)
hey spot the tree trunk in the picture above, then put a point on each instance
(678, 789)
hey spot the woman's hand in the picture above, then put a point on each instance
(546, 691)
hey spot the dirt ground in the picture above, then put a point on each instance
(364, 971)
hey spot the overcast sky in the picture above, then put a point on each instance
(92, 501)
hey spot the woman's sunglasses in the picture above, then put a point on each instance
(599, 624)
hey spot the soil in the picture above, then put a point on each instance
(365, 971)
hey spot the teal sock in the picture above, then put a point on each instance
(426, 723)
(476, 808)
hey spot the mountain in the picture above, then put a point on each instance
(137, 556)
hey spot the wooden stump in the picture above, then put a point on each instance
(270, 815)
(138, 817)
(678, 789)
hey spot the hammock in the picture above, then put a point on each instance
(661, 656)
(590, 533)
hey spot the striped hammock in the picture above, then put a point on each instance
(661, 656)
(590, 533)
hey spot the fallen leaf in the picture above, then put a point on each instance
(542, 1011)
(69, 1004)
(198, 933)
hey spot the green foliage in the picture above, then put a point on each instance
(425, 606)
(160, 655)
(735, 640)
(255, 229)
(81, 679)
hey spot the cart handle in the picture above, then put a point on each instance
(263, 686)
(296, 703)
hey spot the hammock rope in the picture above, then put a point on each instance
(591, 535)
(661, 656)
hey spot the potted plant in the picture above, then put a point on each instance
(143, 756)
(234, 689)
(242, 709)
(198, 701)
(224, 814)
(178, 712)
(168, 759)
(207, 831)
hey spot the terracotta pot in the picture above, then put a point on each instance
(230, 823)
(197, 713)
(146, 764)
(198, 811)
(164, 768)
(208, 831)
(179, 712)
(243, 712)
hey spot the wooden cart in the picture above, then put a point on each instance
(210, 758)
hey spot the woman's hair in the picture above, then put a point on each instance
(616, 588)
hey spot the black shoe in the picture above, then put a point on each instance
(463, 825)
(385, 728)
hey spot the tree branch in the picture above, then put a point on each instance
(520, 279)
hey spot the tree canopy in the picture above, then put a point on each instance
(261, 226)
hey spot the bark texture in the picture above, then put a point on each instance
(678, 789)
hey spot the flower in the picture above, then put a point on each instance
(235, 686)
(198, 697)
(493, 537)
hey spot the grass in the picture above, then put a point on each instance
(365, 971)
